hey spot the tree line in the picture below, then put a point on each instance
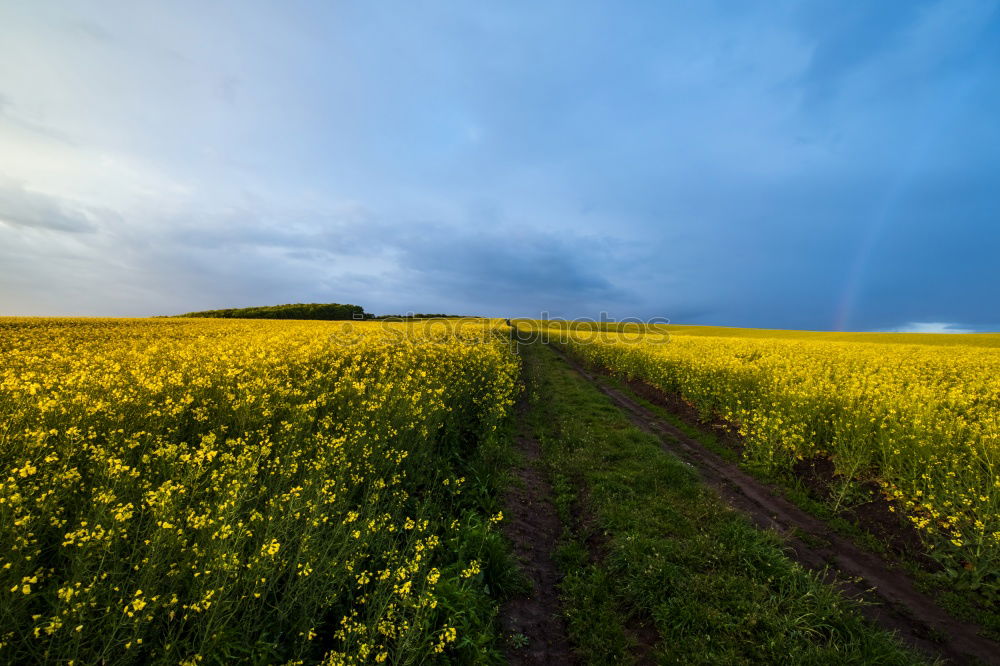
(288, 311)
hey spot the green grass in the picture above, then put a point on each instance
(958, 602)
(648, 548)
(910, 423)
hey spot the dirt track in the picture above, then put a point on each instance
(900, 606)
(533, 527)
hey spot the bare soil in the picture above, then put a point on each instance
(535, 629)
(876, 514)
(893, 600)
(817, 474)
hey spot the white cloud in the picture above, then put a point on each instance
(931, 327)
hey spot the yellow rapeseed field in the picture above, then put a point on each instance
(185, 491)
(918, 415)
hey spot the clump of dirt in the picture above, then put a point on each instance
(876, 515)
(879, 517)
(816, 474)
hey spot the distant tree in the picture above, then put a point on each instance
(330, 311)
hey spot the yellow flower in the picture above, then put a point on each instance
(225, 450)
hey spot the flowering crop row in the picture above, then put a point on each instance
(922, 421)
(185, 491)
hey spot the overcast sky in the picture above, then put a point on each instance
(821, 165)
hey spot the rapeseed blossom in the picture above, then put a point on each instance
(176, 490)
(919, 421)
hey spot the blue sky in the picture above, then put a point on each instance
(821, 165)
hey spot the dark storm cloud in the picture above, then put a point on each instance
(524, 271)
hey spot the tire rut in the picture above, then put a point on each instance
(533, 527)
(917, 620)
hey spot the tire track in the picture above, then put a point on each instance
(901, 607)
(533, 527)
